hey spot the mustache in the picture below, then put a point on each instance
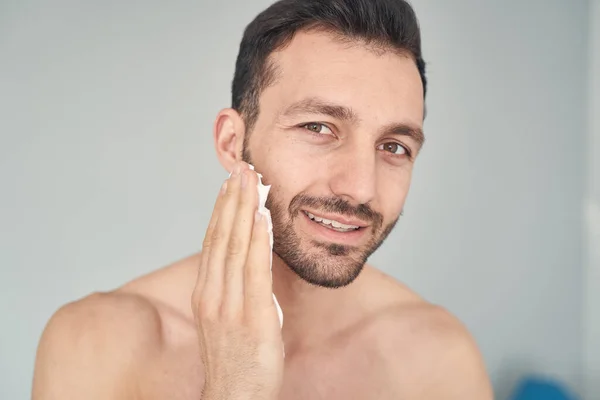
(336, 205)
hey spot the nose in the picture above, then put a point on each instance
(353, 176)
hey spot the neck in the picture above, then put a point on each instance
(311, 314)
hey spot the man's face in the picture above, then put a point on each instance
(336, 139)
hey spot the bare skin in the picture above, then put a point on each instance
(371, 339)
(140, 342)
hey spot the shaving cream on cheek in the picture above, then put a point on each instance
(263, 192)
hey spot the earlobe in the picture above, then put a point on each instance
(228, 134)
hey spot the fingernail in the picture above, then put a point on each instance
(244, 180)
(223, 188)
(237, 169)
(257, 216)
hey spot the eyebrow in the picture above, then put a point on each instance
(314, 105)
(413, 132)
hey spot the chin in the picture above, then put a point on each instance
(322, 268)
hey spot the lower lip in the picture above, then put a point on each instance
(347, 238)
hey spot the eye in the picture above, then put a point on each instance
(318, 128)
(394, 148)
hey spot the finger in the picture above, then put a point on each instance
(239, 243)
(258, 284)
(215, 271)
(208, 238)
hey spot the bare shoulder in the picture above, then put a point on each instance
(425, 328)
(426, 352)
(92, 346)
(443, 359)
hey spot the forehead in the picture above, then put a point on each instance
(382, 85)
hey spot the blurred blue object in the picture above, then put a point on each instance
(541, 389)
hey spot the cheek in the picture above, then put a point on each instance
(290, 166)
(286, 177)
(392, 193)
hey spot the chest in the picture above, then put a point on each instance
(344, 375)
(322, 374)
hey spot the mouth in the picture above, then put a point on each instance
(332, 224)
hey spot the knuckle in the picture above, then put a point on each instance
(207, 241)
(206, 311)
(217, 236)
(234, 247)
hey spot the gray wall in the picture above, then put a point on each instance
(493, 227)
(107, 167)
(592, 212)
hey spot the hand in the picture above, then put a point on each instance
(238, 326)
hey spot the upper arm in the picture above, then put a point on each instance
(90, 348)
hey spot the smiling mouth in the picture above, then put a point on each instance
(332, 224)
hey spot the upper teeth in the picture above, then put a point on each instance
(331, 222)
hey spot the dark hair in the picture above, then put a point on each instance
(386, 24)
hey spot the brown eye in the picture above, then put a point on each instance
(393, 148)
(318, 128)
(314, 127)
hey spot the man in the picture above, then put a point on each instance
(328, 104)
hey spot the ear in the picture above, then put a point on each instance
(228, 135)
